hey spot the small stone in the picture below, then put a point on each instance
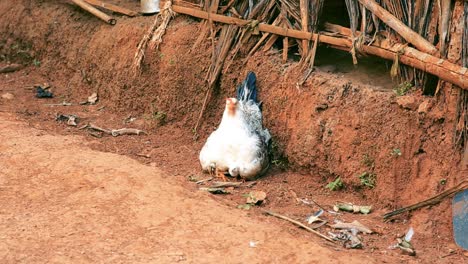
(424, 107)
(407, 102)
(8, 96)
(321, 107)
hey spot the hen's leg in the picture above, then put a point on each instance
(212, 170)
(221, 175)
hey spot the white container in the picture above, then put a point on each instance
(149, 7)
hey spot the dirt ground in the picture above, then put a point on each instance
(67, 196)
(65, 203)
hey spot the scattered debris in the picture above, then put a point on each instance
(8, 96)
(11, 68)
(424, 107)
(256, 197)
(253, 198)
(204, 180)
(225, 184)
(244, 206)
(431, 201)
(349, 239)
(321, 107)
(348, 207)
(253, 244)
(450, 253)
(70, 119)
(307, 202)
(250, 184)
(95, 134)
(43, 92)
(93, 127)
(298, 224)
(216, 190)
(92, 99)
(60, 104)
(408, 102)
(129, 119)
(115, 132)
(405, 244)
(126, 131)
(143, 155)
(192, 178)
(316, 218)
(356, 225)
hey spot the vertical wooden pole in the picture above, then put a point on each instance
(285, 49)
(304, 5)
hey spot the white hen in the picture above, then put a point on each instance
(240, 144)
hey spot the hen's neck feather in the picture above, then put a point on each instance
(232, 119)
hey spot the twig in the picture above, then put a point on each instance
(61, 104)
(225, 184)
(431, 201)
(126, 131)
(83, 127)
(306, 201)
(204, 180)
(91, 126)
(115, 132)
(250, 184)
(11, 68)
(299, 224)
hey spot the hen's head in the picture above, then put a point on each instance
(231, 106)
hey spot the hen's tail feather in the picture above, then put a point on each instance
(247, 90)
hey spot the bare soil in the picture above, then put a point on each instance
(67, 196)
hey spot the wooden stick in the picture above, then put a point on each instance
(225, 8)
(431, 201)
(285, 49)
(11, 68)
(91, 126)
(298, 224)
(204, 180)
(225, 184)
(95, 11)
(284, 16)
(407, 33)
(113, 8)
(269, 43)
(304, 5)
(439, 67)
(127, 131)
(339, 29)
